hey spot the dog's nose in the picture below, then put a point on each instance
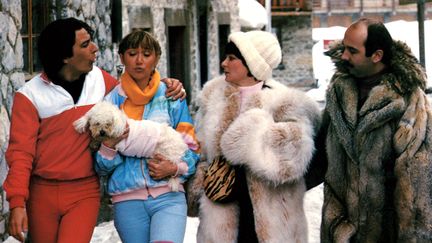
(102, 133)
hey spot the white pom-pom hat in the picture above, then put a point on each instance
(261, 51)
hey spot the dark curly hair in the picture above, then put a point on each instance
(55, 44)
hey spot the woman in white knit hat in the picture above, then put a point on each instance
(264, 132)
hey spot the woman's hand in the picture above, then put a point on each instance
(160, 168)
(112, 142)
(18, 225)
(175, 88)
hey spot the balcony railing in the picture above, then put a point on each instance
(287, 5)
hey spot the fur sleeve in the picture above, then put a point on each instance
(276, 151)
(413, 169)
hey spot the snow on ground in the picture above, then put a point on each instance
(106, 233)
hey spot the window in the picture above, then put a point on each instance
(116, 21)
(34, 19)
(224, 31)
(178, 61)
(178, 47)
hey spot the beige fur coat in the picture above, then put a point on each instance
(273, 138)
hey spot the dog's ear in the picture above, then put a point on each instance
(80, 125)
(119, 123)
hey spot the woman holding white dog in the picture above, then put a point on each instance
(145, 208)
(260, 132)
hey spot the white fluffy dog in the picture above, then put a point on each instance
(105, 120)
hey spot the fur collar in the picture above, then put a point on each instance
(404, 74)
(219, 106)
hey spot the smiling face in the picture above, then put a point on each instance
(83, 56)
(139, 63)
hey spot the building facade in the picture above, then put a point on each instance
(328, 13)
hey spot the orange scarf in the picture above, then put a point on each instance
(137, 98)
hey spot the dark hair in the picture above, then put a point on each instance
(56, 43)
(378, 38)
(140, 38)
(231, 48)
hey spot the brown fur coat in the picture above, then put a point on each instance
(378, 182)
(273, 138)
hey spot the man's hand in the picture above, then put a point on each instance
(160, 168)
(175, 88)
(18, 224)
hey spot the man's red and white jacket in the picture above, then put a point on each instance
(43, 141)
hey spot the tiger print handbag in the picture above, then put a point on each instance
(220, 181)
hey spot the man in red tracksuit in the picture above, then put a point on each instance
(51, 186)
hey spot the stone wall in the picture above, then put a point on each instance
(11, 78)
(295, 36)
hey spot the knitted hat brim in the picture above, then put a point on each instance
(257, 65)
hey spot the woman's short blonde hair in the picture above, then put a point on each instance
(140, 38)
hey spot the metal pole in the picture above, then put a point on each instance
(420, 20)
(269, 17)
